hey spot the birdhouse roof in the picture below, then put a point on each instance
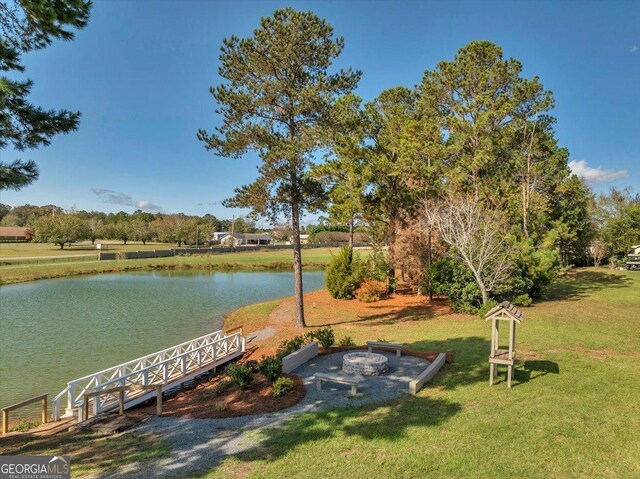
(505, 310)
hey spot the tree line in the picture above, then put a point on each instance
(51, 224)
(461, 176)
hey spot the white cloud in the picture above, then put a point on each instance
(114, 198)
(595, 175)
(635, 49)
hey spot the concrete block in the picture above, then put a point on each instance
(299, 357)
(427, 374)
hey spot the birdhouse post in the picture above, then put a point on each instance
(504, 312)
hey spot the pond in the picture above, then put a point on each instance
(53, 331)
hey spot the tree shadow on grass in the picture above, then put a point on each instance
(579, 284)
(398, 314)
(384, 422)
(470, 360)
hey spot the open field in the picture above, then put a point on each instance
(573, 410)
(27, 250)
(259, 260)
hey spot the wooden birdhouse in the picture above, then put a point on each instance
(507, 313)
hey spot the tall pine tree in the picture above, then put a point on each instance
(276, 101)
(28, 25)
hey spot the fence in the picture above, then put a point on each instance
(213, 250)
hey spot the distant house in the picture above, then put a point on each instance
(218, 235)
(247, 239)
(17, 234)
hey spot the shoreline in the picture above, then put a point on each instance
(240, 262)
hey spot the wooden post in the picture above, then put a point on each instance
(509, 374)
(512, 337)
(121, 402)
(492, 368)
(85, 408)
(5, 422)
(159, 400)
(44, 409)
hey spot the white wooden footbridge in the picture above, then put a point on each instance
(168, 368)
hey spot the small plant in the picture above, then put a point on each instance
(252, 364)
(347, 341)
(382, 340)
(522, 300)
(282, 386)
(271, 367)
(215, 390)
(371, 291)
(324, 336)
(24, 425)
(289, 346)
(220, 406)
(240, 374)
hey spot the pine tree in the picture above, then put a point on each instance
(28, 25)
(276, 101)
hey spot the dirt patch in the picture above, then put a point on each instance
(210, 399)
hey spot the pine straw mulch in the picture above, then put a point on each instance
(207, 399)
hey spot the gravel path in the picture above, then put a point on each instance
(201, 444)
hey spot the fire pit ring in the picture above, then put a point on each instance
(367, 364)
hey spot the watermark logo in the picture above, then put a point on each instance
(35, 467)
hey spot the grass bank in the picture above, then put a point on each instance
(259, 260)
(572, 412)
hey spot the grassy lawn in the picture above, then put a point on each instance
(91, 453)
(316, 258)
(28, 250)
(573, 410)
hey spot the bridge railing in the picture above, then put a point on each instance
(162, 367)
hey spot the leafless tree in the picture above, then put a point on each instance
(598, 251)
(477, 236)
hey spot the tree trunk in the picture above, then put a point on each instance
(61, 245)
(429, 260)
(297, 264)
(125, 242)
(351, 233)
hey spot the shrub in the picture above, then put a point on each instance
(487, 307)
(324, 336)
(252, 364)
(371, 291)
(522, 300)
(346, 341)
(216, 390)
(344, 274)
(271, 367)
(240, 374)
(378, 266)
(289, 346)
(281, 387)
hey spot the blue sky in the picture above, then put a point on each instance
(141, 70)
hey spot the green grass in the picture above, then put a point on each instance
(259, 260)
(28, 250)
(91, 453)
(573, 410)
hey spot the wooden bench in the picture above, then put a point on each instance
(373, 344)
(332, 378)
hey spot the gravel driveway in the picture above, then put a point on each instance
(201, 444)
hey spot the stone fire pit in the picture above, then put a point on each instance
(367, 364)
